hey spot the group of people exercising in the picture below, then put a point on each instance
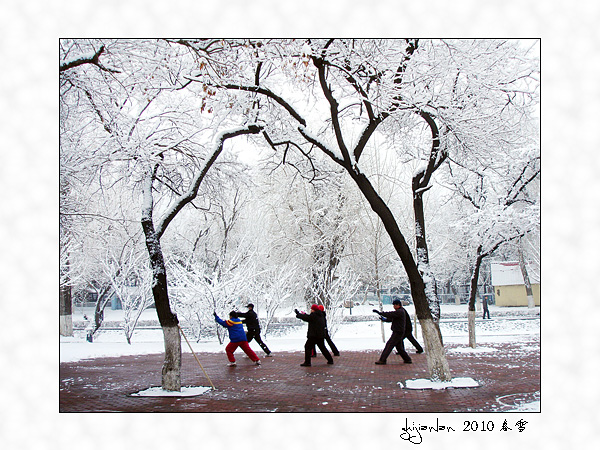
(317, 334)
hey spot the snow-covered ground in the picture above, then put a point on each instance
(356, 336)
(351, 336)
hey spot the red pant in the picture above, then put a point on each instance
(232, 346)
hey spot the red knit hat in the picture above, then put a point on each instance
(314, 307)
(321, 308)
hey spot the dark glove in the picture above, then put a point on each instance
(376, 312)
(215, 313)
(296, 311)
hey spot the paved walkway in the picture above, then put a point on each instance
(507, 378)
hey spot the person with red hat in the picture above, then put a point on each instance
(328, 339)
(315, 335)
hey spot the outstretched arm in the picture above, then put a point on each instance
(243, 315)
(302, 316)
(219, 320)
(388, 316)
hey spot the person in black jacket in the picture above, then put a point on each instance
(253, 327)
(328, 339)
(398, 319)
(486, 310)
(409, 335)
(315, 335)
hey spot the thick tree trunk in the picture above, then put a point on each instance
(171, 371)
(423, 256)
(436, 355)
(437, 363)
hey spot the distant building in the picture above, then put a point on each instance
(509, 286)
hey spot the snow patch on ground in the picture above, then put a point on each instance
(472, 350)
(460, 382)
(527, 407)
(188, 391)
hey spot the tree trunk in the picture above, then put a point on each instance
(378, 291)
(528, 290)
(471, 324)
(423, 255)
(420, 185)
(473, 297)
(171, 370)
(104, 295)
(415, 325)
(65, 301)
(218, 332)
(437, 363)
(436, 355)
(66, 311)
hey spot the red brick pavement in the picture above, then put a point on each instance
(354, 383)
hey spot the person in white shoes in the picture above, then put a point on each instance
(237, 338)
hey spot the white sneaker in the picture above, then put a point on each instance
(257, 363)
(231, 364)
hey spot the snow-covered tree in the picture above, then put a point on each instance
(272, 288)
(156, 114)
(153, 131)
(131, 284)
(340, 92)
(497, 208)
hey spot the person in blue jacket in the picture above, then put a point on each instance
(237, 338)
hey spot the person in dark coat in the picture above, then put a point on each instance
(328, 339)
(253, 327)
(409, 335)
(398, 319)
(315, 334)
(486, 311)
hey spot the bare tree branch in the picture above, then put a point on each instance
(94, 60)
(193, 190)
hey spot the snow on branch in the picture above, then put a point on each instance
(195, 185)
(91, 58)
(317, 142)
(422, 190)
(259, 90)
